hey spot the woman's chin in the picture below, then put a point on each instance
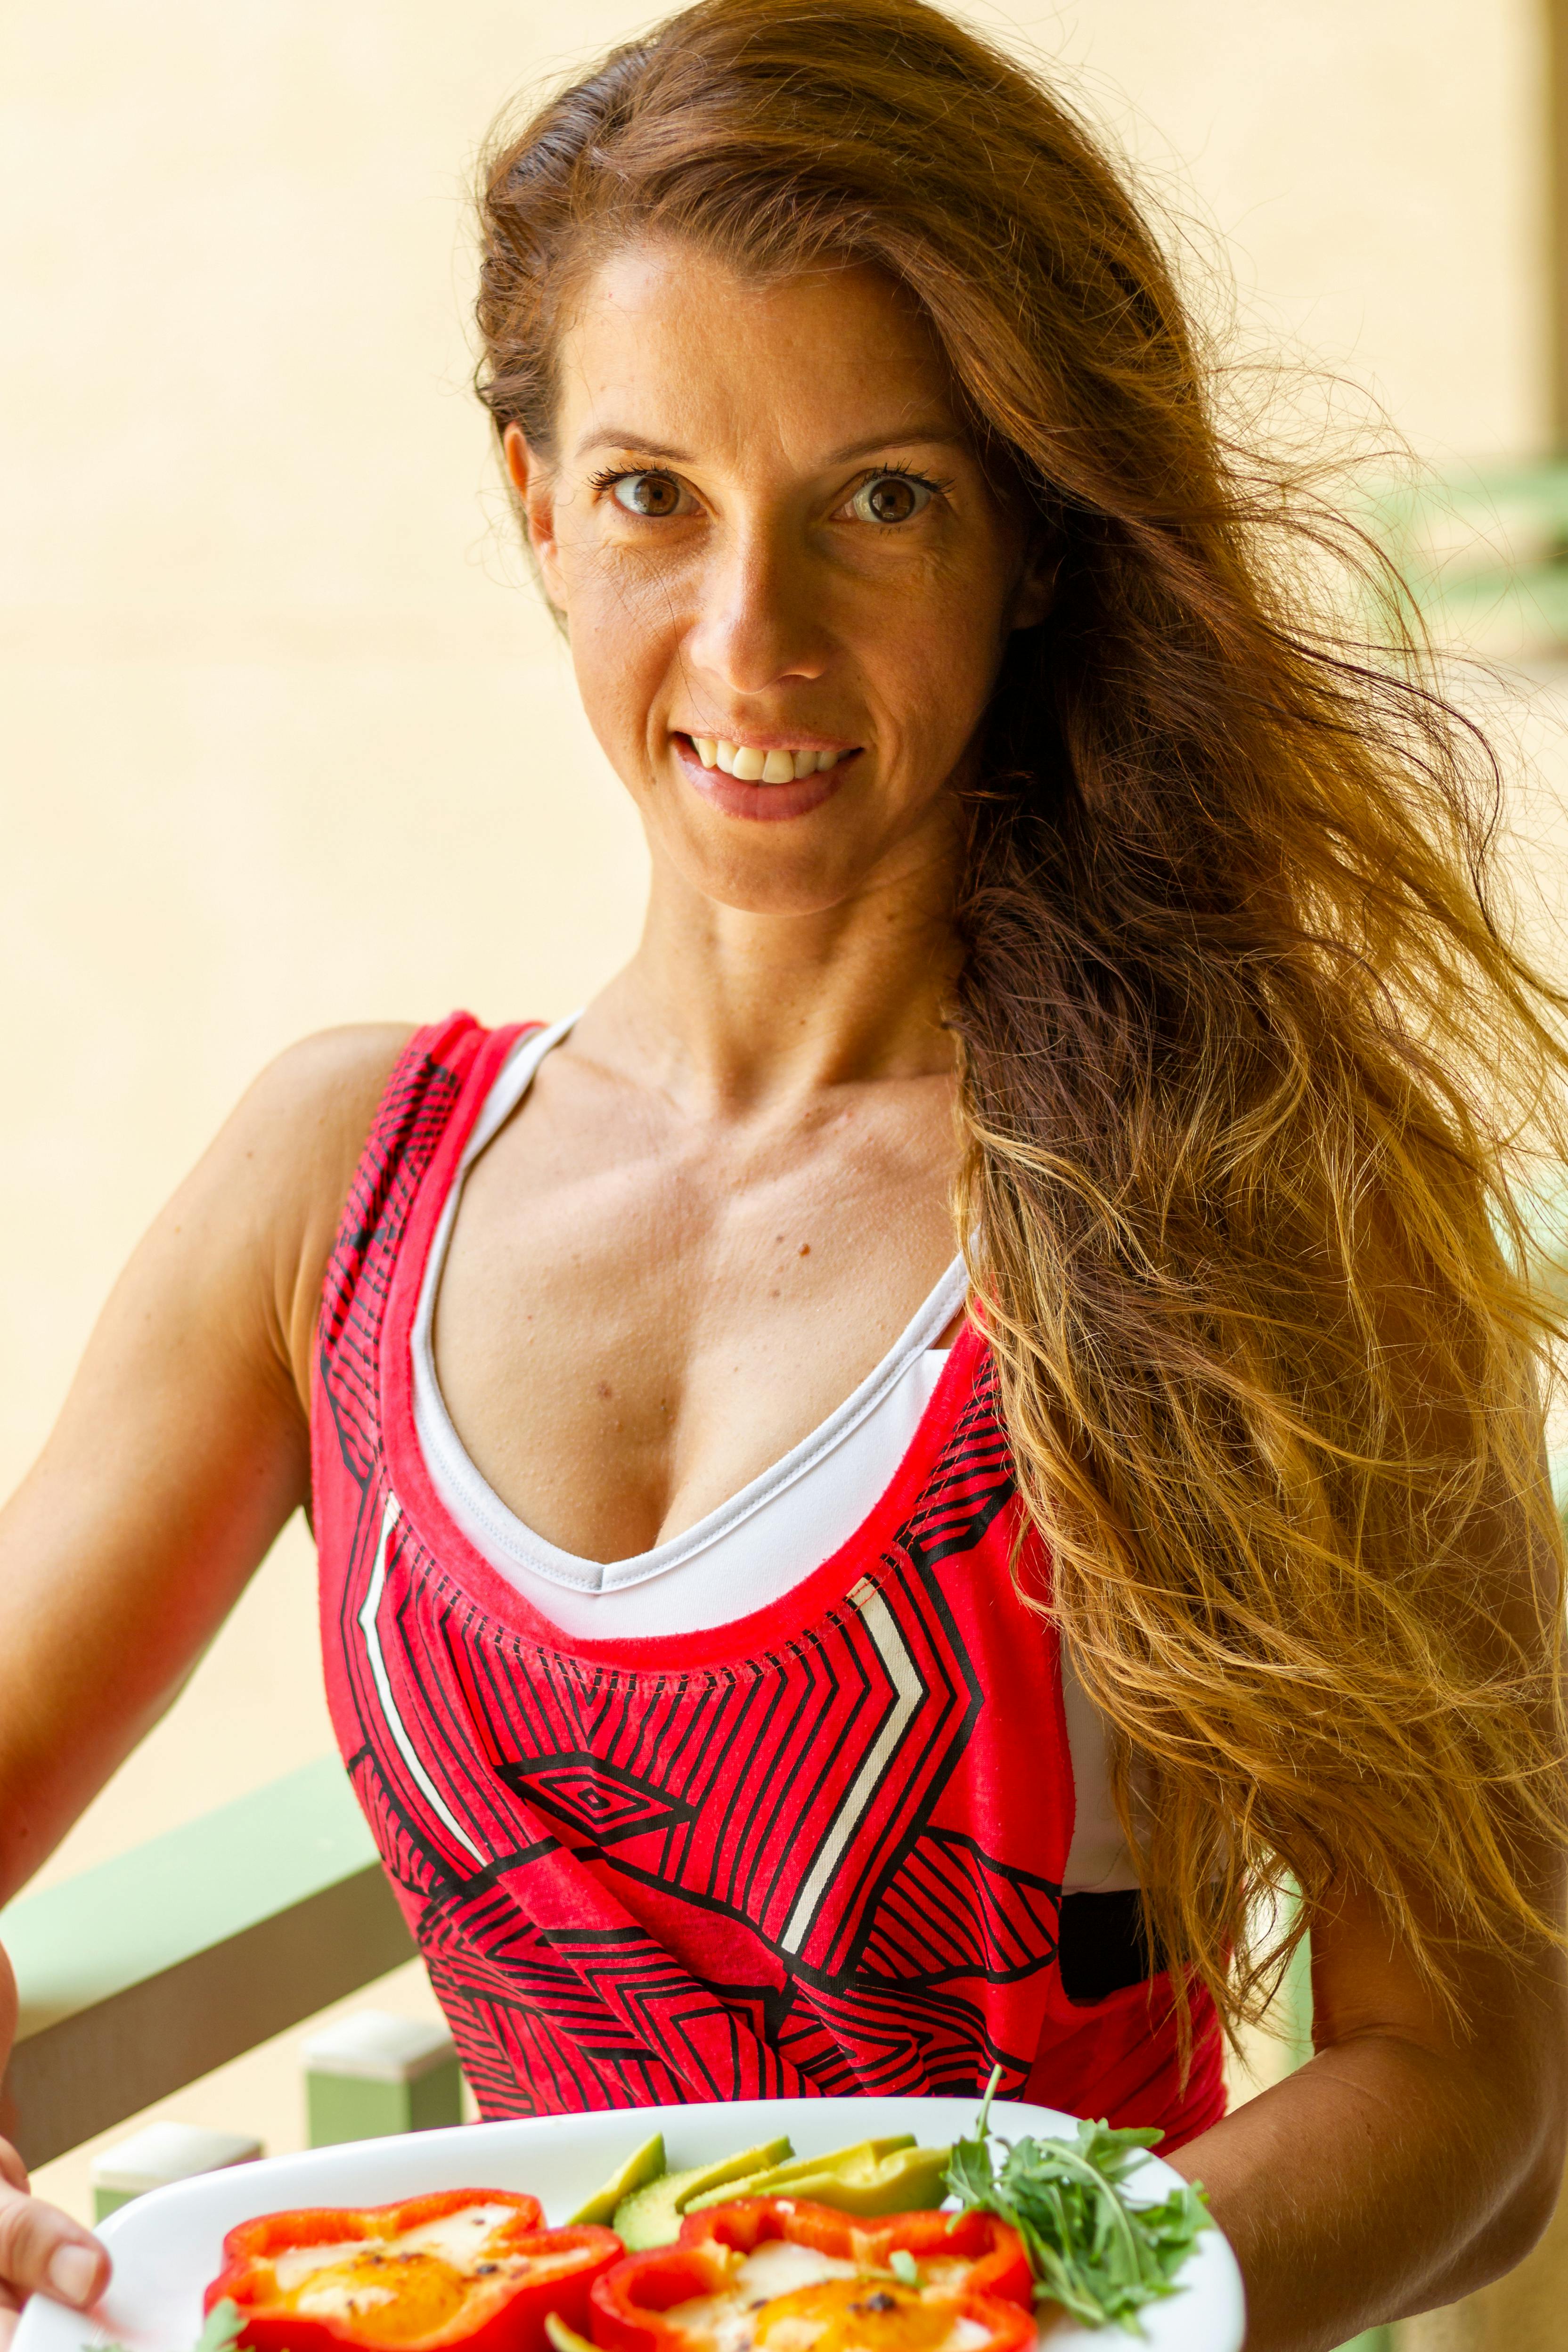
(747, 875)
(765, 864)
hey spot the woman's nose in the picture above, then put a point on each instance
(757, 621)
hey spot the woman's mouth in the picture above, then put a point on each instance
(755, 766)
(770, 781)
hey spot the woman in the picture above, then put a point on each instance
(880, 1489)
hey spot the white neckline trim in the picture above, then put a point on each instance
(455, 1471)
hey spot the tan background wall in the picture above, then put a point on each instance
(286, 739)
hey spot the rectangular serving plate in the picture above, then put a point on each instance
(168, 2244)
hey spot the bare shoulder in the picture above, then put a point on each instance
(321, 1095)
(278, 1171)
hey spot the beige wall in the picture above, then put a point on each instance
(1375, 169)
(285, 739)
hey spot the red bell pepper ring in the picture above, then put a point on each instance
(968, 2266)
(370, 2290)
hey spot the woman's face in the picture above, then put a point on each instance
(787, 582)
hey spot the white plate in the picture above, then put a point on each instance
(168, 2244)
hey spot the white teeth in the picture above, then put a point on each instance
(754, 767)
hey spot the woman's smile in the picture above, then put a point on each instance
(770, 780)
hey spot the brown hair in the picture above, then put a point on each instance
(1246, 1057)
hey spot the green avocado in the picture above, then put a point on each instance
(875, 2176)
(651, 2216)
(645, 2164)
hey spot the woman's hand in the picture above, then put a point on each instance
(42, 2250)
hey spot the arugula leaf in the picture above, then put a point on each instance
(221, 2327)
(970, 2172)
(1092, 2250)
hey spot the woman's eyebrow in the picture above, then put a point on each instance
(612, 437)
(942, 431)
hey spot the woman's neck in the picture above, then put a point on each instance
(743, 1012)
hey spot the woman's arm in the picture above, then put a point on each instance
(1408, 2161)
(182, 1449)
(182, 1446)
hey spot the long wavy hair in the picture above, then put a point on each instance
(1250, 1063)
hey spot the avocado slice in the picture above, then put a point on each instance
(875, 2176)
(644, 2164)
(781, 2177)
(651, 2216)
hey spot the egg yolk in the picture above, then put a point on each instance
(391, 2298)
(863, 2315)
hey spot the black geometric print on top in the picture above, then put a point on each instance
(411, 1120)
(745, 1791)
(604, 1801)
(878, 2039)
(732, 1768)
(551, 1821)
(948, 1901)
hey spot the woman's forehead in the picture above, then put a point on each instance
(676, 351)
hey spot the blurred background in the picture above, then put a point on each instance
(287, 739)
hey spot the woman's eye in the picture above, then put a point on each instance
(889, 498)
(646, 493)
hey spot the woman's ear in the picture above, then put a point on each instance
(1036, 590)
(535, 483)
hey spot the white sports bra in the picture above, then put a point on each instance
(757, 1546)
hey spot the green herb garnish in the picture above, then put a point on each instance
(901, 2263)
(1092, 2250)
(221, 2327)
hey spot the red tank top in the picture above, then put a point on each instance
(816, 1850)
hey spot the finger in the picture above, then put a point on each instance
(12, 2169)
(43, 2249)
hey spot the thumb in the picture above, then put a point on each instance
(43, 2249)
